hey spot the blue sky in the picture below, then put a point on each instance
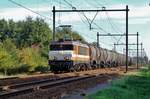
(139, 18)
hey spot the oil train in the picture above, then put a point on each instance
(66, 56)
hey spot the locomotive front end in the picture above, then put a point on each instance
(60, 56)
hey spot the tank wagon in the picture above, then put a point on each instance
(65, 56)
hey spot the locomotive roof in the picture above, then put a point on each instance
(69, 42)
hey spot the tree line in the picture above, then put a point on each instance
(24, 45)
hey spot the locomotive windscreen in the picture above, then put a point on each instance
(61, 47)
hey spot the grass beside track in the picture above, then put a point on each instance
(128, 87)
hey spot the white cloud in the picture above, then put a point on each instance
(137, 15)
(133, 21)
(135, 12)
(21, 13)
(139, 11)
(16, 13)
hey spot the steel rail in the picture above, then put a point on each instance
(43, 85)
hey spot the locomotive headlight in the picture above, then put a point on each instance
(52, 58)
(67, 58)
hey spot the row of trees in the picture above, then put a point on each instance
(24, 45)
(25, 33)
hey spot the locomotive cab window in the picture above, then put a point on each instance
(61, 47)
(82, 50)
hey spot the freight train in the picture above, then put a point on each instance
(66, 56)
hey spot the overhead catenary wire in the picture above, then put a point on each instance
(95, 40)
(112, 25)
(69, 4)
(98, 26)
(20, 5)
(99, 3)
(94, 17)
(89, 20)
(73, 7)
(117, 28)
(90, 3)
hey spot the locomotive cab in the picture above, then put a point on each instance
(67, 55)
(60, 56)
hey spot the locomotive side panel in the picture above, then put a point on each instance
(82, 55)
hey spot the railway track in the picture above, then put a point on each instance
(8, 78)
(24, 88)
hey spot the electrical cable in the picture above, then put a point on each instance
(20, 5)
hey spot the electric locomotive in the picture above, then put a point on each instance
(68, 56)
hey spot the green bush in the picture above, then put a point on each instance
(145, 71)
(23, 68)
(113, 93)
(31, 58)
(13, 61)
(135, 87)
(7, 61)
(42, 69)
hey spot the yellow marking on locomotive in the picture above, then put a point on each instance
(82, 58)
